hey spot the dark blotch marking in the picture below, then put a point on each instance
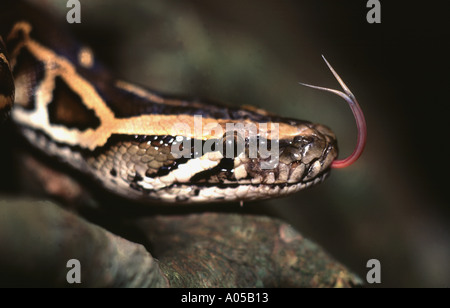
(113, 172)
(33, 70)
(68, 109)
(137, 177)
(136, 105)
(13, 42)
(221, 171)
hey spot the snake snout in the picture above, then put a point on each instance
(308, 156)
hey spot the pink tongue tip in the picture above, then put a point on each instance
(348, 96)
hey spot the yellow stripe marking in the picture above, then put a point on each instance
(139, 125)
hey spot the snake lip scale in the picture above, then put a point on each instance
(70, 107)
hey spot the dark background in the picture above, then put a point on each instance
(391, 205)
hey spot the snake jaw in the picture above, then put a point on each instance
(302, 161)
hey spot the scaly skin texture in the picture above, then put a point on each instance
(70, 107)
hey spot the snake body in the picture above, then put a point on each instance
(70, 107)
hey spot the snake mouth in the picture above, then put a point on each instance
(207, 192)
(301, 160)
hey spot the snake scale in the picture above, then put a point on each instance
(70, 107)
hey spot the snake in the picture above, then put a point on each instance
(147, 146)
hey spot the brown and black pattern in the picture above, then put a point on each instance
(122, 135)
(28, 74)
(67, 109)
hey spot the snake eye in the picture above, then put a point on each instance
(233, 144)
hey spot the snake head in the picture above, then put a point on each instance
(148, 147)
(225, 154)
(253, 162)
(267, 164)
(282, 165)
(299, 155)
